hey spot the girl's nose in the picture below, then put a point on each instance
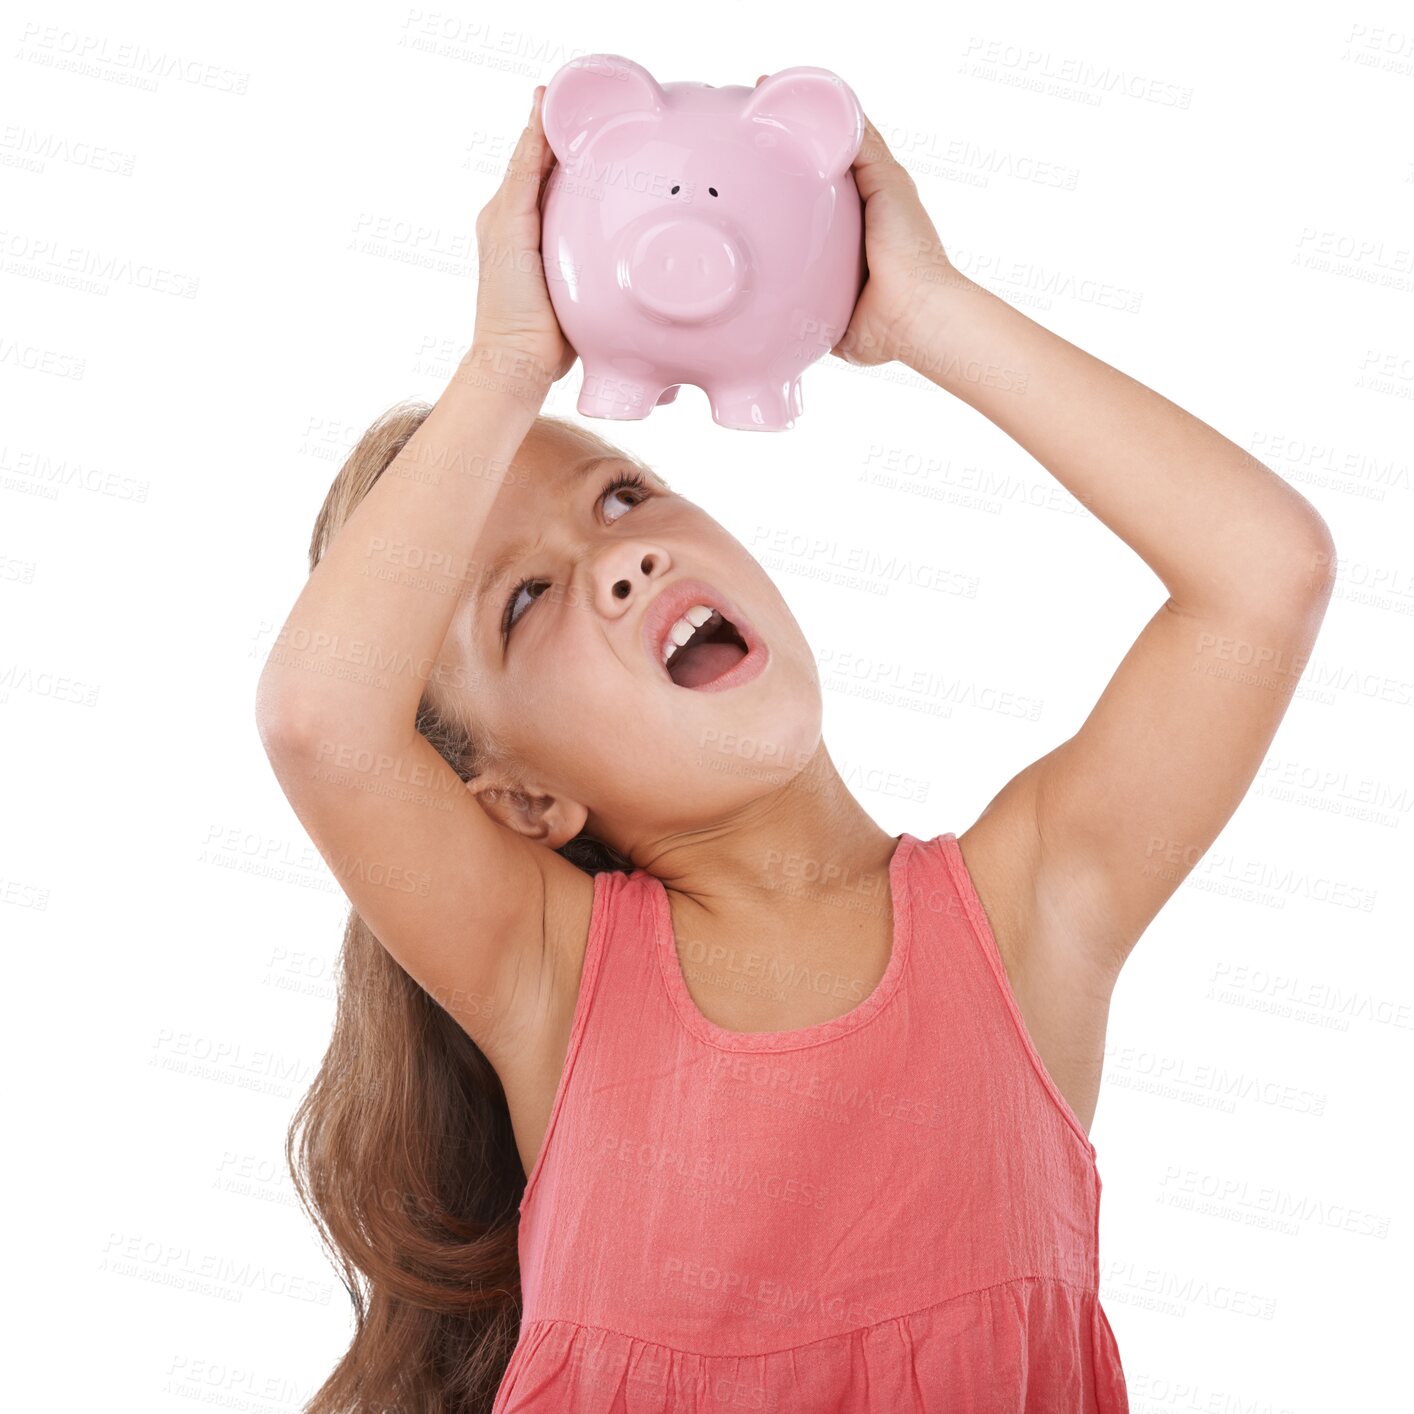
(624, 569)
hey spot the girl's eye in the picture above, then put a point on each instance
(511, 616)
(633, 482)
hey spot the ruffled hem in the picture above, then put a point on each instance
(1032, 1345)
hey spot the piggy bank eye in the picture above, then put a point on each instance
(674, 191)
(713, 190)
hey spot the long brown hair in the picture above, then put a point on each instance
(402, 1151)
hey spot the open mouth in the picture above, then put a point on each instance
(702, 646)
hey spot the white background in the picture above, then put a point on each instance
(231, 237)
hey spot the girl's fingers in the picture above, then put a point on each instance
(547, 154)
(530, 162)
(875, 167)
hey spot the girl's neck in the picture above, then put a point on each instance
(807, 854)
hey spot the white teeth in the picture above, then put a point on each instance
(685, 627)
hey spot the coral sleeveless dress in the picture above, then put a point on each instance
(893, 1211)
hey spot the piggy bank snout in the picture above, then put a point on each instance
(684, 270)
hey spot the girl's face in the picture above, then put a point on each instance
(557, 642)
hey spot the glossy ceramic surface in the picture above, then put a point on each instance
(702, 235)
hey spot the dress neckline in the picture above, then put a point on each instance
(670, 965)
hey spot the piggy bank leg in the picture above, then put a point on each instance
(757, 406)
(608, 393)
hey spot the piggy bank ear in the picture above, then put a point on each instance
(587, 91)
(819, 111)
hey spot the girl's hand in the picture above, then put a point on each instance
(513, 309)
(907, 265)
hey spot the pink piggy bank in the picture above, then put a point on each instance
(693, 234)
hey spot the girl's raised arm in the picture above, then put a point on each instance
(1098, 833)
(452, 894)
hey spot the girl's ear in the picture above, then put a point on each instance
(549, 819)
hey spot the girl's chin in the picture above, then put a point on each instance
(768, 746)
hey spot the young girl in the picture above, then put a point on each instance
(664, 1078)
